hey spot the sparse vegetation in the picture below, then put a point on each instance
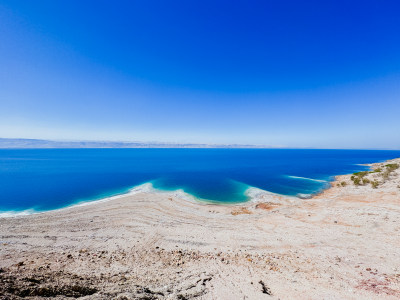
(392, 167)
(358, 178)
(365, 181)
(389, 170)
(361, 174)
(343, 183)
(375, 184)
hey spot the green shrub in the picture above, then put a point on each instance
(343, 183)
(361, 174)
(365, 181)
(392, 167)
(374, 184)
(356, 180)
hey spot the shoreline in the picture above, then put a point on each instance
(148, 188)
(256, 193)
(336, 184)
(340, 244)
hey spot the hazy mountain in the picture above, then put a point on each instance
(34, 143)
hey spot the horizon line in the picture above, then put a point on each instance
(17, 143)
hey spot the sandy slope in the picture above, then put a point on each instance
(342, 244)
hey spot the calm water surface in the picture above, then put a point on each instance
(45, 179)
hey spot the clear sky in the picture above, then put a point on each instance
(320, 74)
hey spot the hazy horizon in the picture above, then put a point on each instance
(320, 75)
(15, 143)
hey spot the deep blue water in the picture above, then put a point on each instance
(45, 179)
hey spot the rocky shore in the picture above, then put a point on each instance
(341, 244)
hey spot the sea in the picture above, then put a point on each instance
(38, 180)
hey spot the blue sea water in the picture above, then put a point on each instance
(46, 179)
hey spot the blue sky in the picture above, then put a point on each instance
(322, 74)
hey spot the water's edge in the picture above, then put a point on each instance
(253, 194)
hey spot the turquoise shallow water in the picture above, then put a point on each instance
(46, 179)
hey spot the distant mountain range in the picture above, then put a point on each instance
(34, 143)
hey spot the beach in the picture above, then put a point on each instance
(341, 244)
